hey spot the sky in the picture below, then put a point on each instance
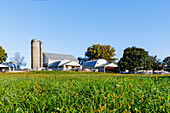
(71, 26)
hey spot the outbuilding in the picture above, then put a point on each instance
(6, 68)
(100, 65)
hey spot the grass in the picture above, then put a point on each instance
(83, 92)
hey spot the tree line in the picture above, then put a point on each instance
(133, 59)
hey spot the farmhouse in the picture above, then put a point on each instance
(100, 65)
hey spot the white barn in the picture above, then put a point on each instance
(60, 62)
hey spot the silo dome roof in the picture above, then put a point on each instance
(33, 40)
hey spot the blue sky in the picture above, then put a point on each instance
(71, 26)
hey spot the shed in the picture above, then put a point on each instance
(4, 68)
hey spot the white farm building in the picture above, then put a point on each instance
(60, 62)
(100, 65)
(7, 67)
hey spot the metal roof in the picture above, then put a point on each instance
(89, 64)
(108, 65)
(55, 64)
(72, 63)
(60, 56)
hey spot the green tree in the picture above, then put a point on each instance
(133, 59)
(155, 63)
(3, 55)
(166, 62)
(101, 52)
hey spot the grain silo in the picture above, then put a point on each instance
(36, 54)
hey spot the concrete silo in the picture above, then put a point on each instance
(36, 54)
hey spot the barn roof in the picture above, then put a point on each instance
(89, 64)
(108, 65)
(64, 62)
(60, 56)
(94, 63)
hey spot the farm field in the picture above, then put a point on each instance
(83, 92)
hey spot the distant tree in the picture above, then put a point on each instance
(18, 60)
(3, 55)
(82, 60)
(133, 59)
(155, 63)
(166, 62)
(101, 52)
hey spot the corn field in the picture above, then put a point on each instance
(83, 92)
